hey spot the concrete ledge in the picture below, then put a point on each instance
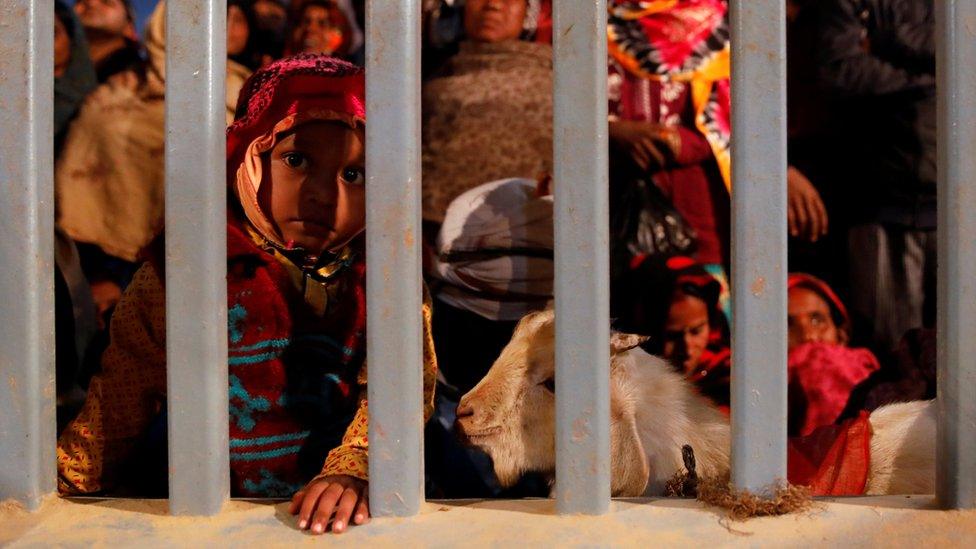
(894, 521)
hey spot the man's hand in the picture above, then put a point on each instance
(340, 494)
(650, 146)
(806, 215)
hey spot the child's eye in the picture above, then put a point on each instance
(353, 176)
(295, 160)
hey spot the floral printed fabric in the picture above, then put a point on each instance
(680, 41)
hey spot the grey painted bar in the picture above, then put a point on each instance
(581, 257)
(393, 279)
(758, 243)
(196, 257)
(27, 392)
(956, 447)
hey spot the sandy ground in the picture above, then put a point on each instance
(864, 522)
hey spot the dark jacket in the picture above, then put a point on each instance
(877, 61)
(122, 59)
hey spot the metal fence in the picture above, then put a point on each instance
(195, 242)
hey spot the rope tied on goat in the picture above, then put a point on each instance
(740, 504)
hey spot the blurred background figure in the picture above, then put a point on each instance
(659, 128)
(110, 29)
(487, 111)
(270, 26)
(109, 176)
(74, 310)
(74, 74)
(817, 214)
(668, 87)
(877, 60)
(242, 54)
(491, 266)
(324, 26)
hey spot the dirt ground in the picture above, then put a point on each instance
(895, 521)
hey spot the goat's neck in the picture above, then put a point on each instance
(670, 414)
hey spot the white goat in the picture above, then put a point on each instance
(654, 411)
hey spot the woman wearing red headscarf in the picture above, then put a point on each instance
(823, 370)
(676, 303)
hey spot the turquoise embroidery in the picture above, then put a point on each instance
(269, 486)
(287, 437)
(235, 316)
(252, 359)
(242, 413)
(275, 343)
(278, 346)
(267, 454)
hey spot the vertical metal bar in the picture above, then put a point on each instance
(196, 257)
(956, 447)
(27, 426)
(582, 257)
(393, 280)
(758, 243)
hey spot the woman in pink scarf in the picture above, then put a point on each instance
(823, 370)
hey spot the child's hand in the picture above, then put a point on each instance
(342, 494)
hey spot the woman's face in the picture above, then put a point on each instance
(270, 14)
(314, 186)
(494, 20)
(316, 32)
(105, 16)
(810, 320)
(686, 331)
(62, 48)
(237, 30)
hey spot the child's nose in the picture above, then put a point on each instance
(324, 191)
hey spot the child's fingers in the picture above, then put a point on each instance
(308, 504)
(326, 504)
(362, 511)
(296, 501)
(344, 510)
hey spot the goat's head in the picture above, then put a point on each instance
(510, 414)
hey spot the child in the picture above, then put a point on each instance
(296, 317)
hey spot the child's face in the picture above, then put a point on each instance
(313, 188)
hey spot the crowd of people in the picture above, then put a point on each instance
(861, 198)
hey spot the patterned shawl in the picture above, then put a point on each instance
(684, 40)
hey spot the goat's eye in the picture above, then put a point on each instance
(550, 385)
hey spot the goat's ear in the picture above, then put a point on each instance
(534, 319)
(620, 342)
(629, 472)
